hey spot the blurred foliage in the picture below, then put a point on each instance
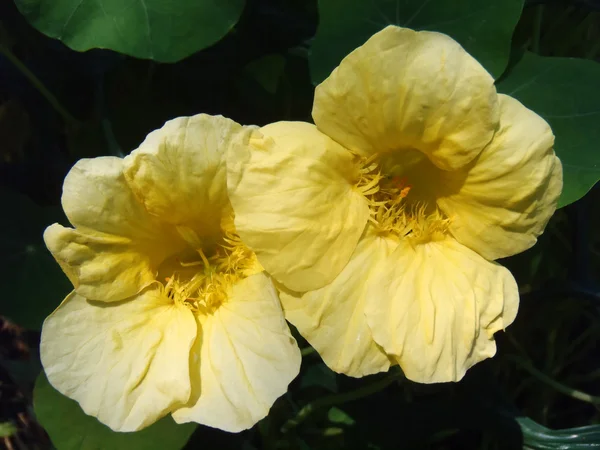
(58, 105)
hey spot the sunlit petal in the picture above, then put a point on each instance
(436, 307)
(502, 202)
(243, 360)
(125, 363)
(117, 245)
(179, 172)
(332, 319)
(405, 90)
(292, 190)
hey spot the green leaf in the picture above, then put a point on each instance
(70, 428)
(564, 91)
(484, 28)
(32, 282)
(165, 31)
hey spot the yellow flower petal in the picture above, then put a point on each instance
(116, 247)
(406, 90)
(179, 171)
(96, 197)
(502, 202)
(102, 267)
(436, 307)
(243, 361)
(332, 319)
(295, 206)
(125, 363)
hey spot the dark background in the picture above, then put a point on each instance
(116, 100)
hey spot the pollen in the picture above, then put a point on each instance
(393, 212)
(212, 275)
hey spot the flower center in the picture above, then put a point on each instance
(399, 190)
(201, 277)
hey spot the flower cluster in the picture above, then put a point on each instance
(374, 231)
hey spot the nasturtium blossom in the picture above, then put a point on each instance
(382, 221)
(171, 312)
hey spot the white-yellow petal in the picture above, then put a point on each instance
(292, 191)
(116, 247)
(96, 197)
(125, 363)
(332, 319)
(179, 171)
(103, 267)
(406, 90)
(436, 307)
(243, 361)
(502, 201)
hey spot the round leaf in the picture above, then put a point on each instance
(564, 91)
(165, 31)
(32, 281)
(483, 28)
(70, 428)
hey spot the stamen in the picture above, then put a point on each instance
(390, 212)
(190, 264)
(203, 256)
(228, 262)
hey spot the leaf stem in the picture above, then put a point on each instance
(573, 393)
(339, 399)
(35, 81)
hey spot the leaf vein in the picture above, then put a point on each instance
(148, 29)
(62, 32)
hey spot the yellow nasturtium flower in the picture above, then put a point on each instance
(383, 221)
(171, 312)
